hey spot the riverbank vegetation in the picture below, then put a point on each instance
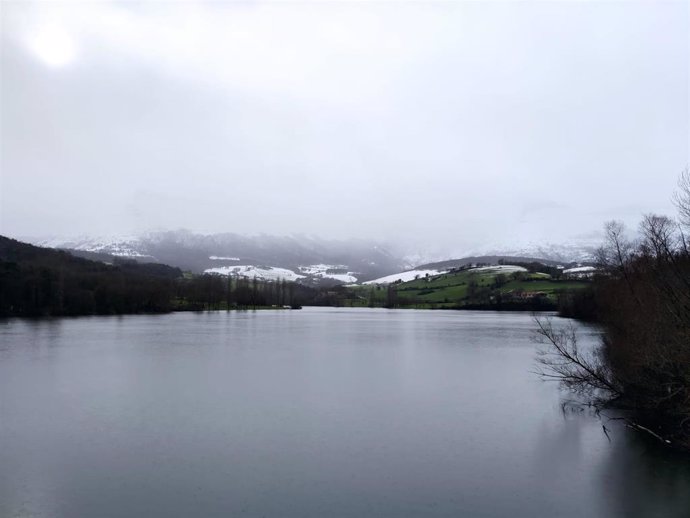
(641, 298)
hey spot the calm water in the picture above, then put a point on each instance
(313, 413)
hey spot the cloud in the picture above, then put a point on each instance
(467, 122)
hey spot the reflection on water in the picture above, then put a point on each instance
(645, 479)
(319, 412)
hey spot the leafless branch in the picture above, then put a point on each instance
(562, 360)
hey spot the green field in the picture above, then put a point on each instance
(467, 288)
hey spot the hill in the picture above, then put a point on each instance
(39, 281)
(488, 260)
(311, 260)
(440, 267)
(488, 287)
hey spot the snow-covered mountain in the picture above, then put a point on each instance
(119, 246)
(563, 253)
(305, 258)
(575, 250)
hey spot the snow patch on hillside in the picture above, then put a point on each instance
(347, 278)
(266, 273)
(409, 275)
(580, 272)
(117, 246)
(329, 271)
(499, 268)
(580, 269)
(220, 258)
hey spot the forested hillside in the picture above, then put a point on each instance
(38, 281)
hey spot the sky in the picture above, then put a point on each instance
(465, 124)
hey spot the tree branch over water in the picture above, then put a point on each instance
(582, 371)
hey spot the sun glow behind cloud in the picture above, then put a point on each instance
(470, 111)
(53, 45)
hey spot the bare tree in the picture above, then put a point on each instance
(642, 301)
(658, 236)
(617, 249)
(681, 197)
(583, 371)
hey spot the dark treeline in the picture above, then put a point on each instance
(641, 298)
(38, 281)
(582, 304)
(216, 292)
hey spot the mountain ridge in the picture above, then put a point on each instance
(309, 259)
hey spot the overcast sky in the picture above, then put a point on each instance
(466, 123)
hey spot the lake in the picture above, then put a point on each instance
(321, 412)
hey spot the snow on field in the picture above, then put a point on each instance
(412, 274)
(580, 271)
(317, 269)
(259, 272)
(275, 273)
(119, 251)
(322, 270)
(499, 268)
(342, 277)
(409, 275)
(220, 258)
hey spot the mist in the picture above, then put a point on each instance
(439, 124)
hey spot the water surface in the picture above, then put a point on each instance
(312, 413)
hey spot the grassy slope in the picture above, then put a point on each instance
(450, 289)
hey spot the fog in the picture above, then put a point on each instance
(467, 123)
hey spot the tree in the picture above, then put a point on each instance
(642, 300)
(584, 372)
(372, 297)
(500, 280)
(391, 297)
(472, 288)
(229, 299)
(681, 197)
